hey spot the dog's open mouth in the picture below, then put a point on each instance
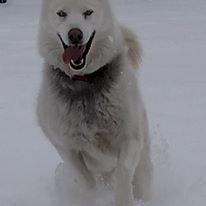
(76, 55)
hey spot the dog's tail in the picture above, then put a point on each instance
(133, 45)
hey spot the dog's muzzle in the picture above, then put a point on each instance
(76, 54)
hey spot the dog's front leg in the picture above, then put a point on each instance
(85, 175)
(128, 160)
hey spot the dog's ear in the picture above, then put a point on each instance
(133, 45)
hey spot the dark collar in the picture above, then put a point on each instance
(87, 77)
(84, 78)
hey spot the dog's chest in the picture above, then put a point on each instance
(94, 123)
(88, 114)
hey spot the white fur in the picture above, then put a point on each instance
(131, 159)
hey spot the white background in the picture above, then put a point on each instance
(173, 81)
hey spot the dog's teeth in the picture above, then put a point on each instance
(81, 62)
(72, 61)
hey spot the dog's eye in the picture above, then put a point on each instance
(88, 13)
(62, 13)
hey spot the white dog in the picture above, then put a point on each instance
(89, 105)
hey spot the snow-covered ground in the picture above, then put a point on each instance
(173, 80)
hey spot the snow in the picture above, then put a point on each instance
(173, 81)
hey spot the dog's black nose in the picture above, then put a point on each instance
(75, 36)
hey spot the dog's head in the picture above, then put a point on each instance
(83, 31)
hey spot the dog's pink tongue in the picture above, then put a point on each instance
(73, 52)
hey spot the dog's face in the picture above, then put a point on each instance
(77, 25)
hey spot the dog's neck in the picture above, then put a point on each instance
(84, 87)
(86, 77)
